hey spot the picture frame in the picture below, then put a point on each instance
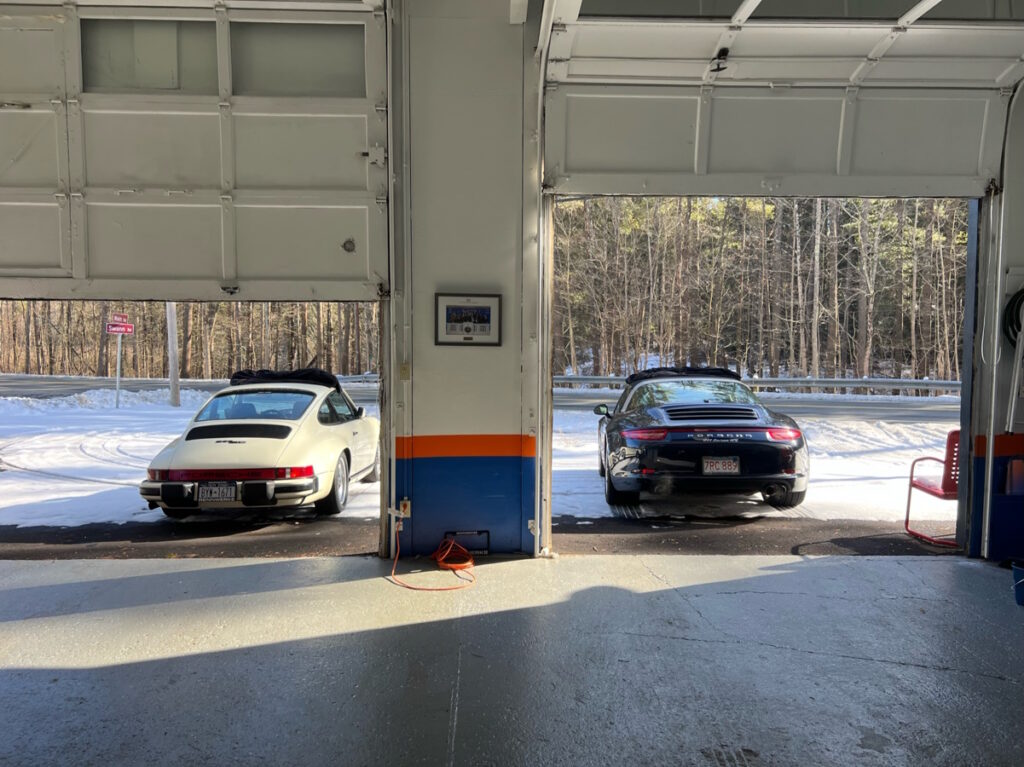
(467, 319)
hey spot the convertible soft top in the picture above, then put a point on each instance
(304, 375)
(682, 372)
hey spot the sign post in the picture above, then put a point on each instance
(119, 326)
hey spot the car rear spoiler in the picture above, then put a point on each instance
(682, 372)
(304, 375)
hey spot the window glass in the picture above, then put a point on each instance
(659, 393)
(142, 56)
(341, 406)
(326, 413)
(298, 60)
(261, 405)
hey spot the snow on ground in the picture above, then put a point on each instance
(76, 460)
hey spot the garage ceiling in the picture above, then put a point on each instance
(193, 152)
(762, 98)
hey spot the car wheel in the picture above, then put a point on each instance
(786, 500)
(615, 497)
(178, 513)
(374, 475)
(600, 463)
(335, 501)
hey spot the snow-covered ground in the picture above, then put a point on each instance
(76, 460)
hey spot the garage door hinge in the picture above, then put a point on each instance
(383, 108)
(377, 155)
(382, 199)
(383, 292)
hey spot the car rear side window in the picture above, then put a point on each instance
(341, 406)
(275, 405)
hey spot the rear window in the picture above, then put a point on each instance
(282, 405)
(660, 393)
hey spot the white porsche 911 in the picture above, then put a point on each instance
(271, 439)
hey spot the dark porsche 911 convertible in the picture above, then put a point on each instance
(698, 430)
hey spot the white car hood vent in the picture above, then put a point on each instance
(235, 430)
(710, 412)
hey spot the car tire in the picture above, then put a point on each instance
(374, 475)
(600, 464)
(179, 513)
(789, 500)
(615, 497)
(334, 502)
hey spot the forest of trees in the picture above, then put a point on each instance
(214, 339)
(766, 286)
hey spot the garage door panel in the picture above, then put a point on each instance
(944, 133)
(169, 150)
(306, 242)
(615, 139)
(30, 59)
(973, 72)
(766, 134)
(177, 175)
(30, 148)
(34, 239)
(157, 241)
(615, 133)
(312, 152)
(826, 70)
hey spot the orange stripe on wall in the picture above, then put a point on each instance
(1006, 445)
(466, 445)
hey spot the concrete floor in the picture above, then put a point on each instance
(698, 660)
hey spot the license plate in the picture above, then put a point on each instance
(721, 465)
(216, 491)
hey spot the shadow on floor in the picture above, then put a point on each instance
(696, 662)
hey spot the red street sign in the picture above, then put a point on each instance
(118, 317)
(121, 328)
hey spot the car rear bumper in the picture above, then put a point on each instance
(248, 494)
(732, 485)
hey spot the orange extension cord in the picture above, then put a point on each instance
(449, 556)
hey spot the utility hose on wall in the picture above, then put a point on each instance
(1011, 329)
(1011, 317)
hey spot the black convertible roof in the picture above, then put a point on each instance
(683, 372)
(305, 375)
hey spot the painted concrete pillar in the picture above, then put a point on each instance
(465, 442)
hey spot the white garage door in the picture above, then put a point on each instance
(741, 99)
(193, 153)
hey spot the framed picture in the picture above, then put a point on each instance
(467, 319)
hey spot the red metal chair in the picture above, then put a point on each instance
(944, 487)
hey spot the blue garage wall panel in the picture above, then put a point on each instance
(467, 493)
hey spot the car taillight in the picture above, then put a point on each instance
(645, 435)
(156, 474)
(294, 472)
(783, 435)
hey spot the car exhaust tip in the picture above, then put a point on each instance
(773, 492)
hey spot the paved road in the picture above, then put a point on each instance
(905, 410)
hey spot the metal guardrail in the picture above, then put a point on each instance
(889, 384)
